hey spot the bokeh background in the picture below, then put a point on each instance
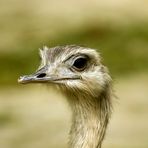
(34, 116)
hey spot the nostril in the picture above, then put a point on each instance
(41, 75)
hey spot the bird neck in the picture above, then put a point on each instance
(89, 120)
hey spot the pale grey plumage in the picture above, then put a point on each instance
(85, 82)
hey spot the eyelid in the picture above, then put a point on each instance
(71, 59)
(81, 56)
(75, 57)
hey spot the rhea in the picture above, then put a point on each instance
(79, 74)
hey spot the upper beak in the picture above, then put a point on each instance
(40, 78)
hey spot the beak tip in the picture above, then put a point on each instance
(21, 80)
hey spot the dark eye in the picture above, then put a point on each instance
(80, 64)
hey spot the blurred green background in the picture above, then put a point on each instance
(117, 28)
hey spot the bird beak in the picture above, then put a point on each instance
(34, 78)
(41, 77)
(38, 77)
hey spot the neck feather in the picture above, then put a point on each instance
(90, 119)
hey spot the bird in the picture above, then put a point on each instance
(79, 73)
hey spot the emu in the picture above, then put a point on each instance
(80, 75)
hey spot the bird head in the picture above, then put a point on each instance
(70, 67)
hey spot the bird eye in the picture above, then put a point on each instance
(80, 63)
